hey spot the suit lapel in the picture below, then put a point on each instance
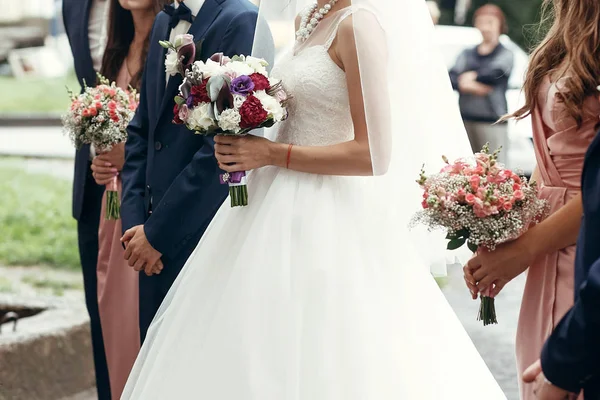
(163, 33)
(86, 62)
(205, 18)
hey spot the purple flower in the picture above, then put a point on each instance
(242, 85)
(190, 101)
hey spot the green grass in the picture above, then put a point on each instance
(36, 227)
(36, 95)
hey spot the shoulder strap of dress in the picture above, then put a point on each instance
(343, 14)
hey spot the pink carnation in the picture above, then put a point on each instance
(519, 195)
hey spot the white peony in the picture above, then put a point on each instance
(208, 68)
(171, 63)
(271, 105)
(238, 100)
(229, 120)
(199, 118)
(240, 68)
(258, 64)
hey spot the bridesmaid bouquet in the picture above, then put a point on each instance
(224, 96)
(99, 116)
(479, 203)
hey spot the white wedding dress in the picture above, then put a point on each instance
(295, 297)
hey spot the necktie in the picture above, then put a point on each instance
(177, 14)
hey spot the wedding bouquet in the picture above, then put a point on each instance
(99, 116)
(481, 204)
(224, 96)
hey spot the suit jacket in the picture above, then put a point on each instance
(76, 15)
(169, 169)
(571, 356)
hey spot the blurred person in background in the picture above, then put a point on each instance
(85, 24)
(481, 75)
(434, 11)
(561, 97)
(129, 26)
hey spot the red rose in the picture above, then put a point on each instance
(260, 81)
(199, 93)
(252, 113)
(176, 119)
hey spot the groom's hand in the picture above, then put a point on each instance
(139, 253)
(543, 389)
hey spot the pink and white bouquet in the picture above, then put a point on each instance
(224, 96)
(481, 204)
(99, 116)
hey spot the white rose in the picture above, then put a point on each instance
(229, 120)
(208, 68)
(240, 68)
(171, 63)
(271, 105)
(238, 100)
(258, 64)
(199, 118)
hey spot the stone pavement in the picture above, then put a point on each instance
(35, 142)
(496, 342)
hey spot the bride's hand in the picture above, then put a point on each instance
(243, 153)
(497, 267)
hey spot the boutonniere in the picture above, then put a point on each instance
(181, 54)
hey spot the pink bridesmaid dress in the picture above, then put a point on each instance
(117, 293)
(560, 148)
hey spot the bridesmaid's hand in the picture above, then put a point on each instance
(496, 268)
(116, 156)
(103, 171)
(243, 153)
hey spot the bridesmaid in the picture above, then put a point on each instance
(561, 97)
(130, 22)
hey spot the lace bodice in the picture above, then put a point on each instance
(319, 112)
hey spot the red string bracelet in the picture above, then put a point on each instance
(289, 154)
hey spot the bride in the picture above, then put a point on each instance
(316, 290)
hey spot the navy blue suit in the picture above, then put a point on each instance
(171, 178)
(87, 195)
(571, 356)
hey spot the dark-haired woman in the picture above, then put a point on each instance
(130, 22)
(481, 77)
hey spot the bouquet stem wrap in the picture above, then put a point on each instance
(113, 203)
(487, 309)
(238, 191)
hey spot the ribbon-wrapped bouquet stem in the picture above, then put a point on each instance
(481, 204)
(224, 96)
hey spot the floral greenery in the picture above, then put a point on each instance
(37, 227)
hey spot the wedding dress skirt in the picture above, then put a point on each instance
(293, 297)
(314, 291)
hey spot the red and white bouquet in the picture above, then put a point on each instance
(99, 116)
(481, 204)
(224, 96)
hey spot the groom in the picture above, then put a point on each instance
(171, 186)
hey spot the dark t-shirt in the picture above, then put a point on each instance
(492, 69)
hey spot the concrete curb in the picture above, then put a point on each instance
(49, 357)
(50, 119)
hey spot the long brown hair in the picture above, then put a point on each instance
(571, 48)
(120, 35)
